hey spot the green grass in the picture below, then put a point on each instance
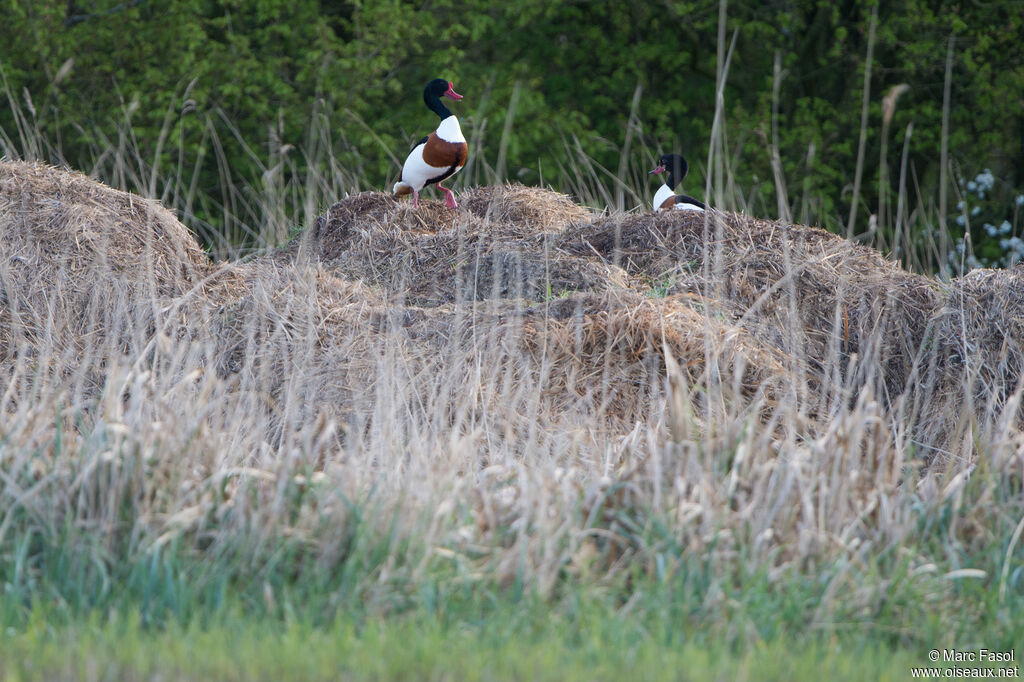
(665, 631)
(421, 648)
(229, 614)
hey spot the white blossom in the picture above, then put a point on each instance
(985, 180)
(1014, 244)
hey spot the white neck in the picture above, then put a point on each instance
(663, 193)
(450, 131)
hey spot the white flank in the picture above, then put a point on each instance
(415, 171)
(663, 195)
(450, 130)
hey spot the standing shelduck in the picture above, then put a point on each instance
(666, 198)
(439, 155)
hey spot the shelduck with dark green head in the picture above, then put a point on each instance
(666, 199)
(439, 155)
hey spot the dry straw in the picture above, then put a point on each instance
(520, 382)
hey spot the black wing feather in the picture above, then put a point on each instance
(683, 199)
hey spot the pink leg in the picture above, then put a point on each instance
(449, 198)
(415, 199)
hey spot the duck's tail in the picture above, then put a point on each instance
(401, 189)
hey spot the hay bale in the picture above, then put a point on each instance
(536, 208)
(334, 230)
(593, 361)
(53, 218)
(609, 354)
(309, 345)
(80, 261)
(815, 299)
(493, 248)
(972, 357)
(571, 317)
(434, 269)
(508, 211)
(814, 296)
(302, 342)
(510, 271)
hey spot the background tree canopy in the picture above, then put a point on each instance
(224, 88)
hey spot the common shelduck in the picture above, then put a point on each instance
(666, 198)
(439, 155)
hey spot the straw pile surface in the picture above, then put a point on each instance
(972, 355)
(317, 345)
(809, 293)
(72, 251)
(517, 302)
(493, 247)
(535, 208)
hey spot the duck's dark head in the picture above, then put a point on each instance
(676, 167)
(435, 90)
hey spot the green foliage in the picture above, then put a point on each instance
(234, 89)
